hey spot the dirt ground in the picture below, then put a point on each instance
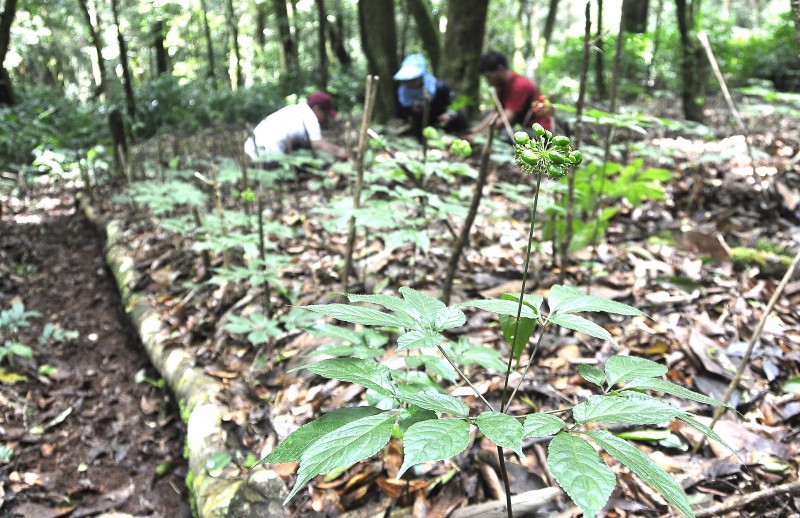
(87, 438)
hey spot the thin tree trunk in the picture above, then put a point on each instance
(233, 27)
(162, 66)
(651, 74)
(463, 44)
(212, 62)
(600, 55)
(322, 47)
(7, 18)
(796, 18)
(547, 33)
(427, 30)
(97, 42)
(127, 81)
(290, 62)
(336, 36)
(634, 16)
(379, 41)
(691, 86)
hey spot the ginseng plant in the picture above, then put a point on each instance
(435, 426)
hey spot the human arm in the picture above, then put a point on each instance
(332, 149)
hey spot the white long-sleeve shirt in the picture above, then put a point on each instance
(294, 126)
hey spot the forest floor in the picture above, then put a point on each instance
(85, 436)
(671, 258)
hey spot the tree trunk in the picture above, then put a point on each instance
(97, 42)
(127, 82)
(692, 84)
(651, 68)
(600, 55)
(322, 47)
(7, 18)
(233, 27)
(162, 66)
(634, 16)
(379, 41)
(796, 18)
(290, 61)
(428, 32)
(547, 33)
(261, 26)
(212, 63)
(463, 44)
(336, 36)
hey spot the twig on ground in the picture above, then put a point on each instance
(522, 504)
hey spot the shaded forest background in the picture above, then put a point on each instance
(182, 65)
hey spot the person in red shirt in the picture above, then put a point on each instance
(521, 101)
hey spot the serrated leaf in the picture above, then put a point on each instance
(401, 308)
(502, 429)
(344, 446)
(357, 315)
(448, 318)
(708, 432)
(610, 409)
(336, 332)
(419, 340)
(501, 307)
(433, 440)
(570, 300)
(529, 299)
(425, 304)
(620, 369)
(592, 374)
(369, 374)
(542, 425)
(645, 468)
(433, 365)
(417, 416)
(292, 448)
(437, 402)
(579, 469)
(671, 388)
(581, 325)
(483, 356)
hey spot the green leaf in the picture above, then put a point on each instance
(407, 419)
(671, 388)
(542, 425)
(532, 301)
(570, 300)
(217, 462)
(357, 315)
(502, 429)
(448, 318)
(369, 374)
(708, 432)
(484, 356)
(792, 385)
(592, 374)
(437, 402)
(620, 369)
(344, 446)
(433, 440)
(578, 468)
(643, 466)
(425, 304)
(501, 307)
(419, 340)
(611, 409)
(292, 448)
(402, 309)
(582, 325)
(434, 365)
(526, 328)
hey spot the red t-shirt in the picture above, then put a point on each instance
(518, 95)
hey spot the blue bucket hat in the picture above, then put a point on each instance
(412, 67)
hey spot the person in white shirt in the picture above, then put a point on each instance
(293, 127)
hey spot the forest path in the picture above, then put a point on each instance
(87, 438)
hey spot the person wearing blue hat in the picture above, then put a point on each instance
(418, 87)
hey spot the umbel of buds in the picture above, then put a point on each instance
(545, 153)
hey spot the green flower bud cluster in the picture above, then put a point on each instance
(545, 153)
(461, 148)
(430, 133)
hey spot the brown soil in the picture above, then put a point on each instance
(109, 443)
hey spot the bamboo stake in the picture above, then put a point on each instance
(502, 113)
(369, 104)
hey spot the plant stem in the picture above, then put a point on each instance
(527, 367)
(503, 405)
(506, 484)
(465, 378)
